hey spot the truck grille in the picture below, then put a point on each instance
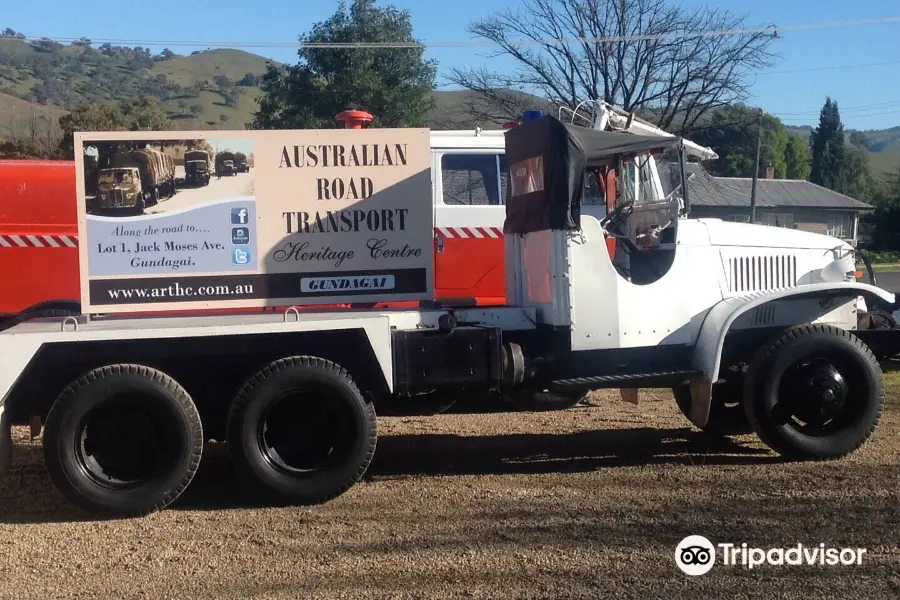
(758, 273)
(117, 197)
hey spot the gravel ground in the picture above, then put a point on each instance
(586, 503)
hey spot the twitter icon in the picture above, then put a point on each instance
(240, 255)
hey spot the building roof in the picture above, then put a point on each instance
(734, 192)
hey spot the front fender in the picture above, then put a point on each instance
(707, 354)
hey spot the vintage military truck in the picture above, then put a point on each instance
(196, 167)
(240, 163)
(153, 180)
(119, 188)
(225, 163)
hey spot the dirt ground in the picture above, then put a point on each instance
(587, 503)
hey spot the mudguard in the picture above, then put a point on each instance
(707, 354)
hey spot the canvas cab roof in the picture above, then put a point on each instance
(547, 161)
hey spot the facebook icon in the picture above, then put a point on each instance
(239, 216)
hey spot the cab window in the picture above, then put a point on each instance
(473, 179)
(594, 193)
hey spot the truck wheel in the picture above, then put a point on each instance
(300, 431)
(726, 413)
(817, 392)
(123, 441)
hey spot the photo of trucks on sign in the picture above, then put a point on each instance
(129, 178)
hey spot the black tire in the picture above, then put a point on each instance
(275, 459)
(726, 413)
(783, 378)
(533, 400)
(876, 319)
(131, 463)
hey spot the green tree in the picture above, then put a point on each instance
(796, 158)
(147, 114)
(827, 148)
(91, 117)
(858, 138)
(856, 178)
(886, 217)
(394, 84)
(731, 132)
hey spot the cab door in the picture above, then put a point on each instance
(469, 188)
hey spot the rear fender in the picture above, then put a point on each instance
(707, 356)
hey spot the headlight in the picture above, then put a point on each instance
(841, 269)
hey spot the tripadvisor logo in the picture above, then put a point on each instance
(696, 555)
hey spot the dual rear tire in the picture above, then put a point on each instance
(300, 431)
(126, 440)
(123, 441)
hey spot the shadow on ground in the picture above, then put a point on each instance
(30, 497)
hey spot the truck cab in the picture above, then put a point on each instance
(196, 172)
(119, 188)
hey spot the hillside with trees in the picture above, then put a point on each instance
(213, 89)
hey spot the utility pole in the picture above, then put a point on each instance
(756, 168)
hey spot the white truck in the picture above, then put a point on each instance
(754, 327)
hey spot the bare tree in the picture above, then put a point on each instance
(54, 134)
(33, 125)
(670, 64)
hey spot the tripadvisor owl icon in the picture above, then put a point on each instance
(695, 555)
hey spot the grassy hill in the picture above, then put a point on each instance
(205, 66)
(211, 89)
(884, 145)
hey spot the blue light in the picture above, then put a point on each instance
(532, 115)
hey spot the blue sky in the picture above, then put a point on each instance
(795, 88)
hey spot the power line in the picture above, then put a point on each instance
(828, 68)
(849, 109)
(772, 29)
(856, 116)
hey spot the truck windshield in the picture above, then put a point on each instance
(637, 181)
(117, 176)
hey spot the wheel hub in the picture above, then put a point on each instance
(823, 389)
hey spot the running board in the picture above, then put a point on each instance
(630, 380)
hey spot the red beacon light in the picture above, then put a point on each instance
(354, 119)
